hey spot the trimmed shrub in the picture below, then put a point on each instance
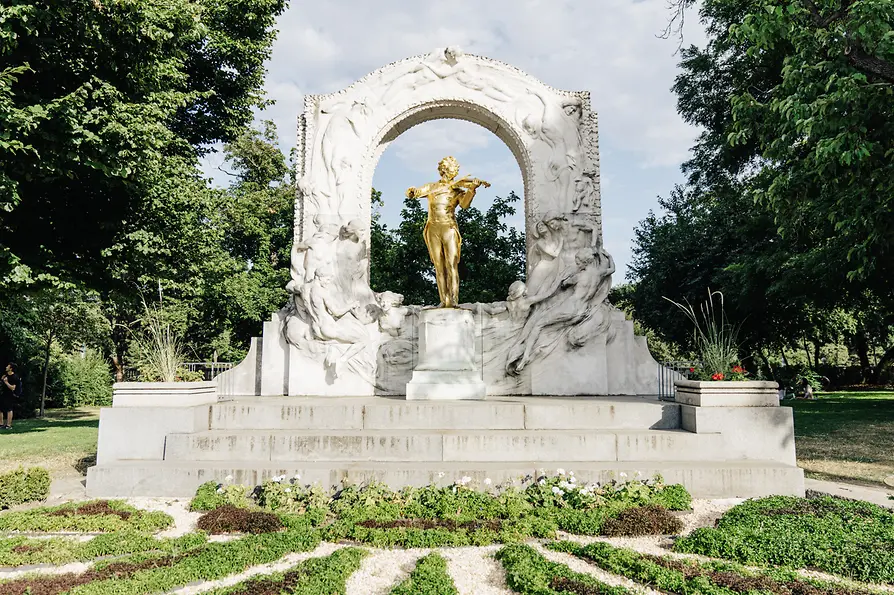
(642, 520)
(24, 485)
(230, 519)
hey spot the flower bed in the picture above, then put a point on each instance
(706, 578)
(853, 539)
(94, 517)
(529, 573)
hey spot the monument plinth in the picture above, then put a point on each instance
(446, 369)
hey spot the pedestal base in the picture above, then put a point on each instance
(431, 385)
(446, 370)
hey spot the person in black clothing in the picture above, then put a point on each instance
(11, 390)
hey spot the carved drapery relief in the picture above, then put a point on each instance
(334, 315)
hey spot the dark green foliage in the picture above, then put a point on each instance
(853, 539)
(316, 576)
(642, 520)
(85, 380)
(428, 578)
(24, 485)
(229, 519)
(529, 573)
(673, 497)
(493, 255)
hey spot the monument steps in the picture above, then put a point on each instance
(704, 479)
(398, 442)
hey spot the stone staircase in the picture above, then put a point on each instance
(400, 442)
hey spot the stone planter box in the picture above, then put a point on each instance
(724, 393)
(163, 394)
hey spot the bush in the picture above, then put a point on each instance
(85, 380)
(94, 517)
(853, 539)
(24, 485)
(211, 495)
(642, 520)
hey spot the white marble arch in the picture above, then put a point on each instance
(552, 134)
(555, 334)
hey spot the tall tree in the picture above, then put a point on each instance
(97, 97)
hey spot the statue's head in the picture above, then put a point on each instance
(572, 107)
(517, 290)
(554, 220)
(352, 230)
(453, 53)
(448, 167)
(390, 299)
(584, 257)
(324, 275)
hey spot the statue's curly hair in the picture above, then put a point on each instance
(450, 161)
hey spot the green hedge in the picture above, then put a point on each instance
(24, 485)
(428, 578)
(852, 539)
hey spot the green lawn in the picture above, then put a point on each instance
(63, 442)
(846, 435)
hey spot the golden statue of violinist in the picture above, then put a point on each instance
(441, 233)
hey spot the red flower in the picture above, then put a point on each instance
(717, 376)
(738, 370)
(692, 369)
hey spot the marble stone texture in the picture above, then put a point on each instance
(446, 368)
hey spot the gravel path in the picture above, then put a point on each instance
(184, 520)
(475, 571)
(382, 570)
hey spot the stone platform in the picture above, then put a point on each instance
(171, 451)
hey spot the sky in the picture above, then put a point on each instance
(610, 48)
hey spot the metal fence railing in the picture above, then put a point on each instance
(209, 370)
(668, 372)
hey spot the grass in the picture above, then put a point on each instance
(846, 436)
(63, 442)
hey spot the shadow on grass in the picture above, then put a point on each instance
(26, 426)
(832, 414)
(85, 463)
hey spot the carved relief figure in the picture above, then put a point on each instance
(581, 291)
(584, 191)
(546, 254)
(442, 64)
(333, 319)
(318, 251)
(441, 232)
(353, 259)
(340, 145)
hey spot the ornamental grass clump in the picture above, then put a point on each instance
(715, 340)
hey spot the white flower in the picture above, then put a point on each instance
(560, 471)
(466, 479)
(571, 473)
(440, 474)
(542, 481)
(564, 485)
(556, 490)
(220, 490)
(288, 490)
(637, 474)
(487, 481)
(572, 479)
(228, 478)
(622, 474)
(297, 476)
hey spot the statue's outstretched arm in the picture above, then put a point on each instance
(420, 191)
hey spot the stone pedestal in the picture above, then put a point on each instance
(446, 369)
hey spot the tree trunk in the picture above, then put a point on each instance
(862, 345)
(816, 352)
(886, 359)
(807, 352)
(46, 370)
(766, 362)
